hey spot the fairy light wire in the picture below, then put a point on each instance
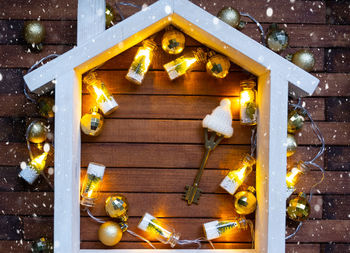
(320, 137)
(262, 33)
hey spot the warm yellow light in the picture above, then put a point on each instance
(248, 108)
(246, 96)
(189, 62)
(39, 162)
(293, 176)
(91, 184)
(241, 174)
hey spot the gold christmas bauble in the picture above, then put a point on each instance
(92, 123)
(296, 121)
(218, 66)
(230, 16)
(110, 233)
(277, 39)
(117, 207)
(46, 106)
(36, 132)
(299, 208)
(291, 145)
(245, 201)
(173, 42)
(34, 34)
(110, 16)
(304, 59)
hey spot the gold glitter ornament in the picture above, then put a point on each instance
(45, 106)
(291, 145)
(299, 208)
(296, 119)
(110, 233)
(277, 39)
(304, 59)
(230, 16)
(218, 65)
(173, 42)
(43, 245)
(36, 132)
(110, 16)
(34, 34)
(245, 201)
(92, 123)
(117, 207)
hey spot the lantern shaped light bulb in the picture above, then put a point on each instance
(32, 170)
(92, 184)
(248, 108)
(181, 65)
(218, 228)
(141, 62)
(104, 100)
(235, 178)
(293, 176)
(158, 230)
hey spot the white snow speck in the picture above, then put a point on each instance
(167, 9)
(215, 20)
(1, 77)
(269, 12)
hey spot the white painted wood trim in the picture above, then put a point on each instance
(91, 19)
(67, 163)
(271, 163)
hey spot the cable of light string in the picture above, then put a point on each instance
(125, 4)
(320, 137)
(262, 33)
(50, 56)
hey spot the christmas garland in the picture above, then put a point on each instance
(217, 126)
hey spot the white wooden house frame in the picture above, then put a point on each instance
(276, 77)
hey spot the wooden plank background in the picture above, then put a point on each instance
(152, 144)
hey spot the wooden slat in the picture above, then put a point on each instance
(338, 158)
(337, 60)
(338, 109)
(303, 12)
(19, 246)
(336, 207)
(338, 12)
(335, 248)
(336, 84)
(11, 228)
(64, 32)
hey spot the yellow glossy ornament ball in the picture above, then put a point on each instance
(230, 16)
(92, 123)
(117, 207)
(110, 16)
(46, 107)
(34, 32)
(245, 201)
(277, 39)
(218, 66)
(110, 233)
(36, 132)
(304, 59)
(291, 145)
(299, 208)
(296, 119)
(173, 42)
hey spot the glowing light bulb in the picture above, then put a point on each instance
(293, 176)
(181, 65)
(158, 230)
(218, 228)
(235, 178)
(104, 100)
(248, 107)
(92, 183)
(32, 170)
(141, 62)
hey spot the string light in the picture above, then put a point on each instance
(104, 100)
(92, 183)
(293, 176)
(248, 107)
(181, 65)
(218, 228)
(160, 231)
(141, 62)
(236, 177)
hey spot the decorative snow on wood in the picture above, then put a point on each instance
(276, 77)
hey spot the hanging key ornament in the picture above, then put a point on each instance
(217, 126)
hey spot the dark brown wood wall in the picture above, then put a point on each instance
(152, 145)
